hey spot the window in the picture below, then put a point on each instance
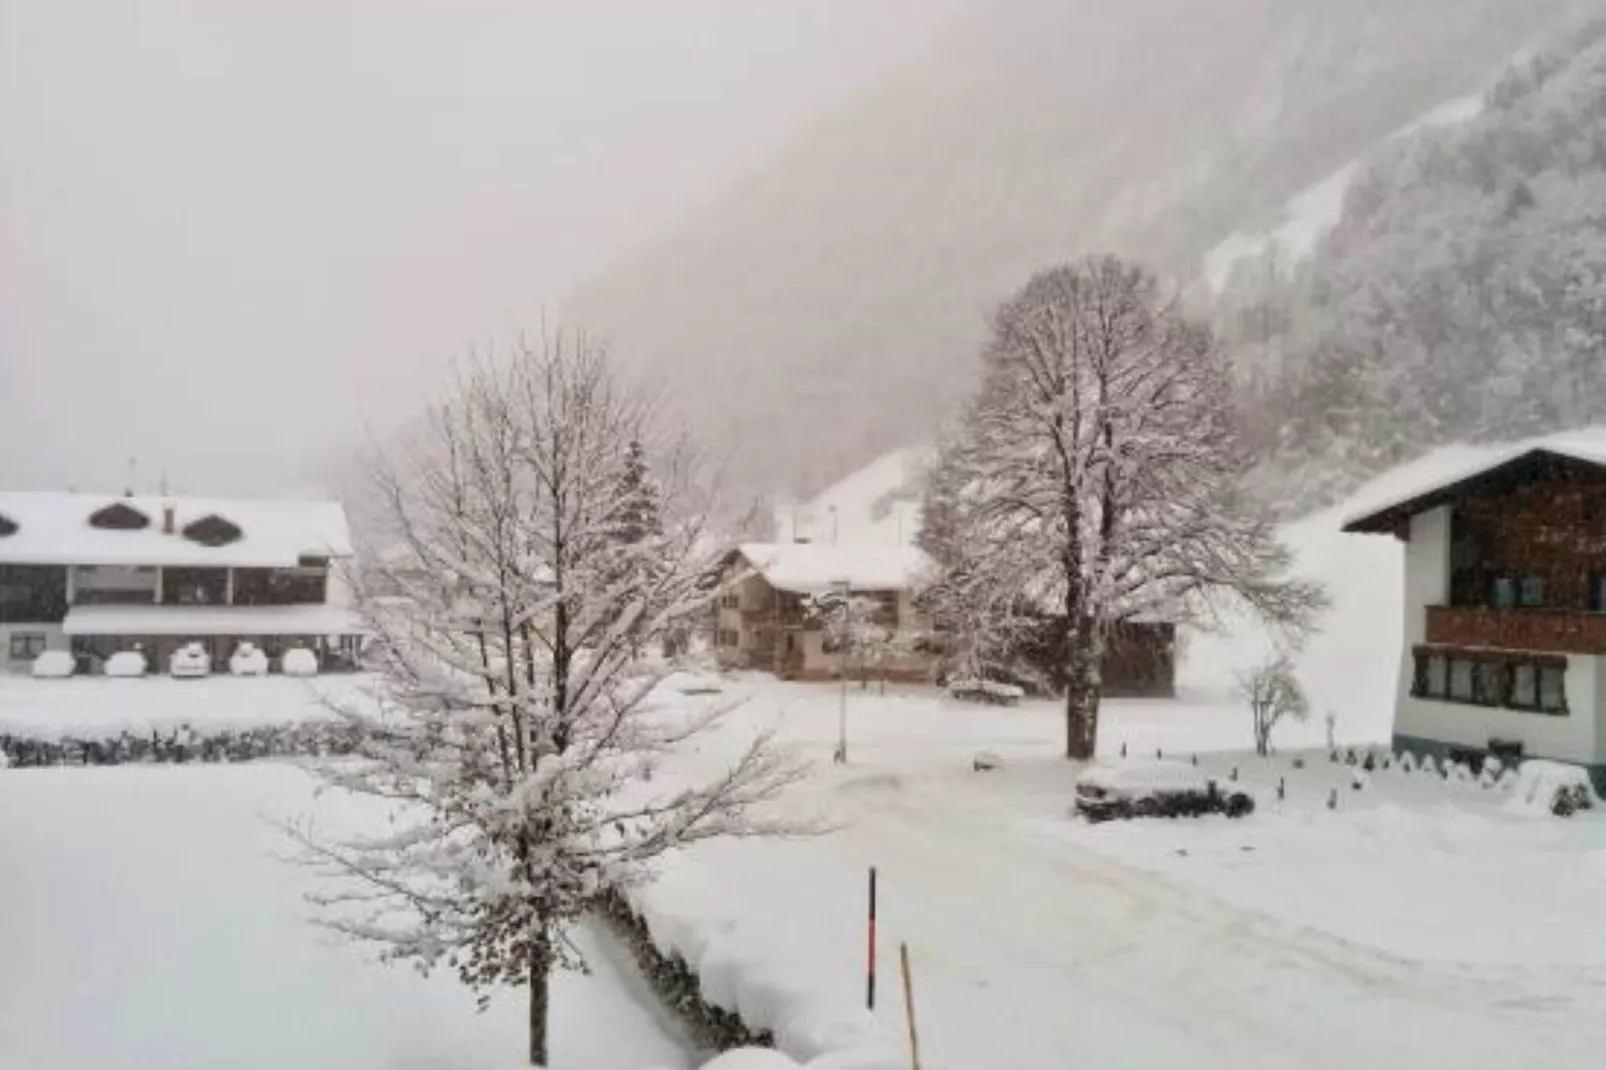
(1534, 682)
(25, 646)
(1532, 592)
(1597, 592)
(1505, 592)
(1525, 687)
(212, 530)
(731, 601)
(1553, 689)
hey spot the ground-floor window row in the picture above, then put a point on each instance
(1514, 680)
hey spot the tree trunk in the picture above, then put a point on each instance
(540, 979)
(1083, 687)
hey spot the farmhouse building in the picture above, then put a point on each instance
(1505, 603)
(96, 574)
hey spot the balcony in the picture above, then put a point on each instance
(1561, 631)
(775, 618)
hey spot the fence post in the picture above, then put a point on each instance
(909, 1007)
(869, 992)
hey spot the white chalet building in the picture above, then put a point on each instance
(95, 574)
(1505, 603)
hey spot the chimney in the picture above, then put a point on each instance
(167, 518)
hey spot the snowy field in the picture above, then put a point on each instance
(92, 706)
(147, 922)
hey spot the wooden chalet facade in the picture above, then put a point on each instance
(1505, 604)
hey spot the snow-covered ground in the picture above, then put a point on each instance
(148, 922)
(97, 705)
(1419, 924)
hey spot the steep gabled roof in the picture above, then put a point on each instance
(53, 528)
(811, 568)
(1445, 474)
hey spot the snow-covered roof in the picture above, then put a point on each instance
(1429, 481)
(52, 528)
(879, 503)
(209, 620)
(805, 568)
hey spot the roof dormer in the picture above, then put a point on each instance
(213, 530)
(119, 516)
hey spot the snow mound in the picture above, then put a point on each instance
(190, 661)
(299, 662)
(127, 663)
(53, 665)
(1541, 786)
(1143, 777)
(248, 660)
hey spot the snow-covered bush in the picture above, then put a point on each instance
(54, 665)
(183, 745)
(189, 661)
(1273, 692)
(299, 661)
(248, 660)
(126, 663)
(1545, 787)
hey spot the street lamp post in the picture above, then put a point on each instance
(844, 639)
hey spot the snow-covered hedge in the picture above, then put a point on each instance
(54, 665)
(181, 745)
(126, 663)
(299, 661)
(677, 985)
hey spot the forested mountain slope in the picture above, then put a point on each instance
(1461, 296)
(829, 307)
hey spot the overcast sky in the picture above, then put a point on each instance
(232, 234)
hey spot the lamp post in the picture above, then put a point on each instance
(843, 589)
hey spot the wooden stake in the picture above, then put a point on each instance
(909, 1007)
(869, 993)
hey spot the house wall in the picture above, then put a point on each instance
(1426, 724)
(54, 640)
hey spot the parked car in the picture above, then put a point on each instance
(299, 661)
(54, 665)
(1156, 789)
(189, 662)
(126, 663)
(248, 660)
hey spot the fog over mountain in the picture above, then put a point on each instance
(828, 307)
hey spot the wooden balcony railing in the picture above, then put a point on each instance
(1557, 630)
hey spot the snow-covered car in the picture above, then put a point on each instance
(126, 663)
(990, 692)
(189, 662)
(1156, 789)
(248, 660)
(299, 661)
(54, 665)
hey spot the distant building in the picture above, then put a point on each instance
(1505, 603)
(95, 574)
(762, 619)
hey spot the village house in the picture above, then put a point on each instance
(1505, 604)
(98, 574)
(763, 620)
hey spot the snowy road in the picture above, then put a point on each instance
(145, 924)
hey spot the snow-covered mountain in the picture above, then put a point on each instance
(828, 308)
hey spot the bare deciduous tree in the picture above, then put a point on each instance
(514, 617)
(1273, 692)
(1095, 476)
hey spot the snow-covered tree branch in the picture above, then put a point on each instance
(1095, 478)
(519, 614)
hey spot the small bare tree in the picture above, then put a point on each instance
(513, 735)
(1273, 692)
(1095, 478)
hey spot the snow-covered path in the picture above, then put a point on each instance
(146, 924)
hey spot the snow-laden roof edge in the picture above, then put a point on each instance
(806, 568)
(1418, 485)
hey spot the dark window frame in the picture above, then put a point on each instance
(1493, 679)
(31, 644)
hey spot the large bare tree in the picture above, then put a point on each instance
(517, 612)
(1095, 477)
